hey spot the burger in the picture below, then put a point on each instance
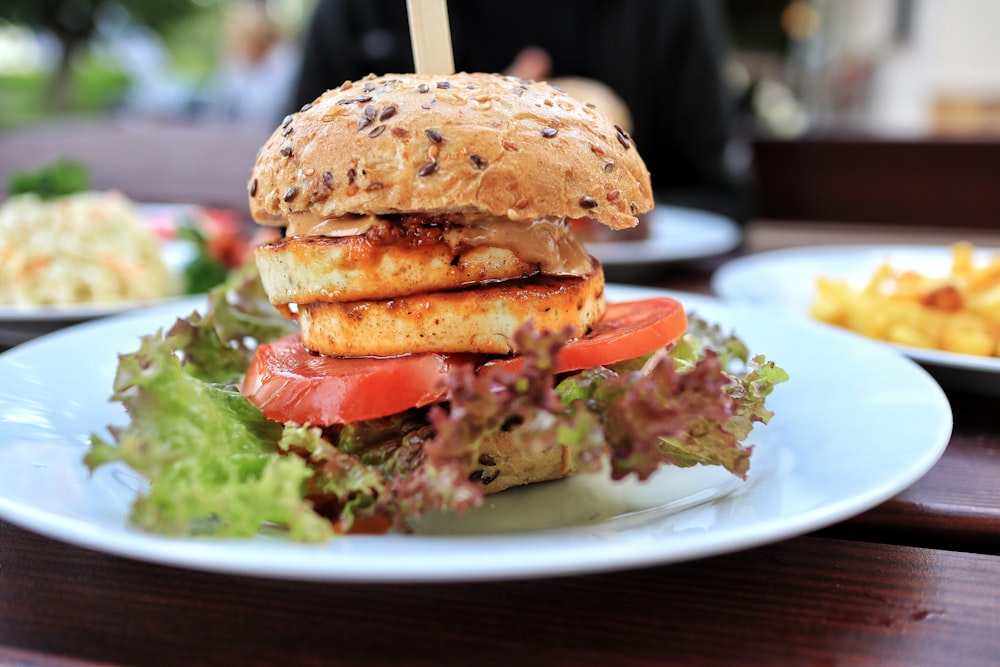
(426, 330)
(451, 330)
(420, 212)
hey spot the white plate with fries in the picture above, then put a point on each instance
(940, 305)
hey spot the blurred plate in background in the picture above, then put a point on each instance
(786, 280)
(675, 234)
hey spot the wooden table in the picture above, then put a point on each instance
(808, 601)
(914, 581)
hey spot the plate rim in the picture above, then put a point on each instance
(16, 314)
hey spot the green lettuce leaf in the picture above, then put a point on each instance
(218, 347)
(353, 489)
(208, 453)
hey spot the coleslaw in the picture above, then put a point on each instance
(87, 247)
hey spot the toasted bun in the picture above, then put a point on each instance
(464, 144)
(503, 463)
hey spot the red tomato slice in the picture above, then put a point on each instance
(288, 383)
(629, 329)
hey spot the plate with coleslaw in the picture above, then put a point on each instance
(94, 254)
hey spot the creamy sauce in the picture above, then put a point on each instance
(548, 242)
(305, 224)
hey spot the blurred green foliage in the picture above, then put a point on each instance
(87, 82)
(95, 85)
(62, 177)
(75, 18)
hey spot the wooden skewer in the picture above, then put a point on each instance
(430, 34)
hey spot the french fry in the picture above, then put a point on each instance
(956, 312)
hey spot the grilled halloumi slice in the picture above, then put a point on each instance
(372, 258)
(483, 319)
(317, 268)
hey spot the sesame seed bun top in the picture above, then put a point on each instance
(466, 145)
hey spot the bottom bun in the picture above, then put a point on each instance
(503, 463)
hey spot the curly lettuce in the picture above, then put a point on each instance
(216, 466)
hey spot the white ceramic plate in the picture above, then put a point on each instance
(19, 323)
(786, 280)
(675, 233)
(854, 426)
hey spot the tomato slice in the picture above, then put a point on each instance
(288, 383)
(628, 330)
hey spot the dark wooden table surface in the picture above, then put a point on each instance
(914, 581)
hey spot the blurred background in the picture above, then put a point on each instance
(833, 96)
(894, 67)
(169, 58)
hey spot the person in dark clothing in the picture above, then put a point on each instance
(663, 58)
